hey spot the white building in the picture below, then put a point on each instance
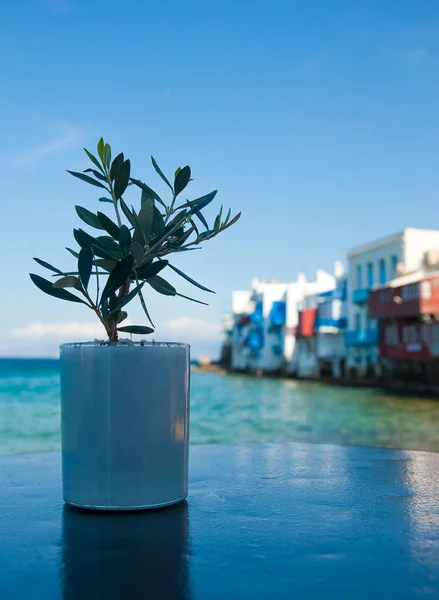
(265, 319)
(322, 320)
(257, 343)
(371, 265)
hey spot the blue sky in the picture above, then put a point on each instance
(317, 119)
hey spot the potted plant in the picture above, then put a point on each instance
(125, 404)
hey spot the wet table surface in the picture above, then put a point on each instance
(266, 521)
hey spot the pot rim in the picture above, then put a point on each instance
(124, 344)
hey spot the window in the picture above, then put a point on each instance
(410, 292)
(411, 334)
(369, 275)
(358, 321)
(392, 335)
(385, 296)
(393, 265)
(382, 267)
(359, 277)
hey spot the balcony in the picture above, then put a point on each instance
(329, 323)
(361, 337)
(307, 318)
(360, 296)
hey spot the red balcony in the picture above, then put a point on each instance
(410, 340)
(410, 300)
(307, 319)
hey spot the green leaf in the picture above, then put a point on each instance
(124, 237)
(233, 221)
(178, 219)
(194, 226)
(75, 254)
(227, 217)
(177, 171)
(202, 219)
(138, 236)
(182, 179)
(128, 214)
(94, 160)
(66, 282)
(217, 223)
(148, 190)
(146, 217)
(101, 148)
(152, 269)
(109, 225)
(47, 287)
(118, 276)
(106, 254)
(112, 303)
(137, 251)
(107, 155)
(130, 296)
(87, 179)
(88, 217)
(137, 329)
(108, 265)
(96, 174)
(106, 247)
(160, 172)
(161, 286)
(121, 317)
(116, 165)
(46, 265)
(200, 203)
(183, 237)
(158, 224)
(191, 299)
(122, 179)
(85, 266)
(84, 239)
(192, 281)
(106, 200)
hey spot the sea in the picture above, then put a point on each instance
(232, 409)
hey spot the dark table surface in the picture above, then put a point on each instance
(264, 521)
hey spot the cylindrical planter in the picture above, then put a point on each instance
(124, 424)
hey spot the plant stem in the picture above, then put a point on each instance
(170, 211)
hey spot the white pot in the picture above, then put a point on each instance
(125, 424)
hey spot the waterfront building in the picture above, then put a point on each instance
(259, 318)
(370, 265)
(265, 321)
(407, 312)
(321, 326)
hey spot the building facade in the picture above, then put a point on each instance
(320, 332)
(259, 317)
(407, 312)
(372, 265)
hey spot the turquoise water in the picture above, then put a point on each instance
(232, 408)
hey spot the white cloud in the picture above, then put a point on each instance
(192, 328)
(67, 136)
(183, 327)
(43, 339)
(70, 331)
